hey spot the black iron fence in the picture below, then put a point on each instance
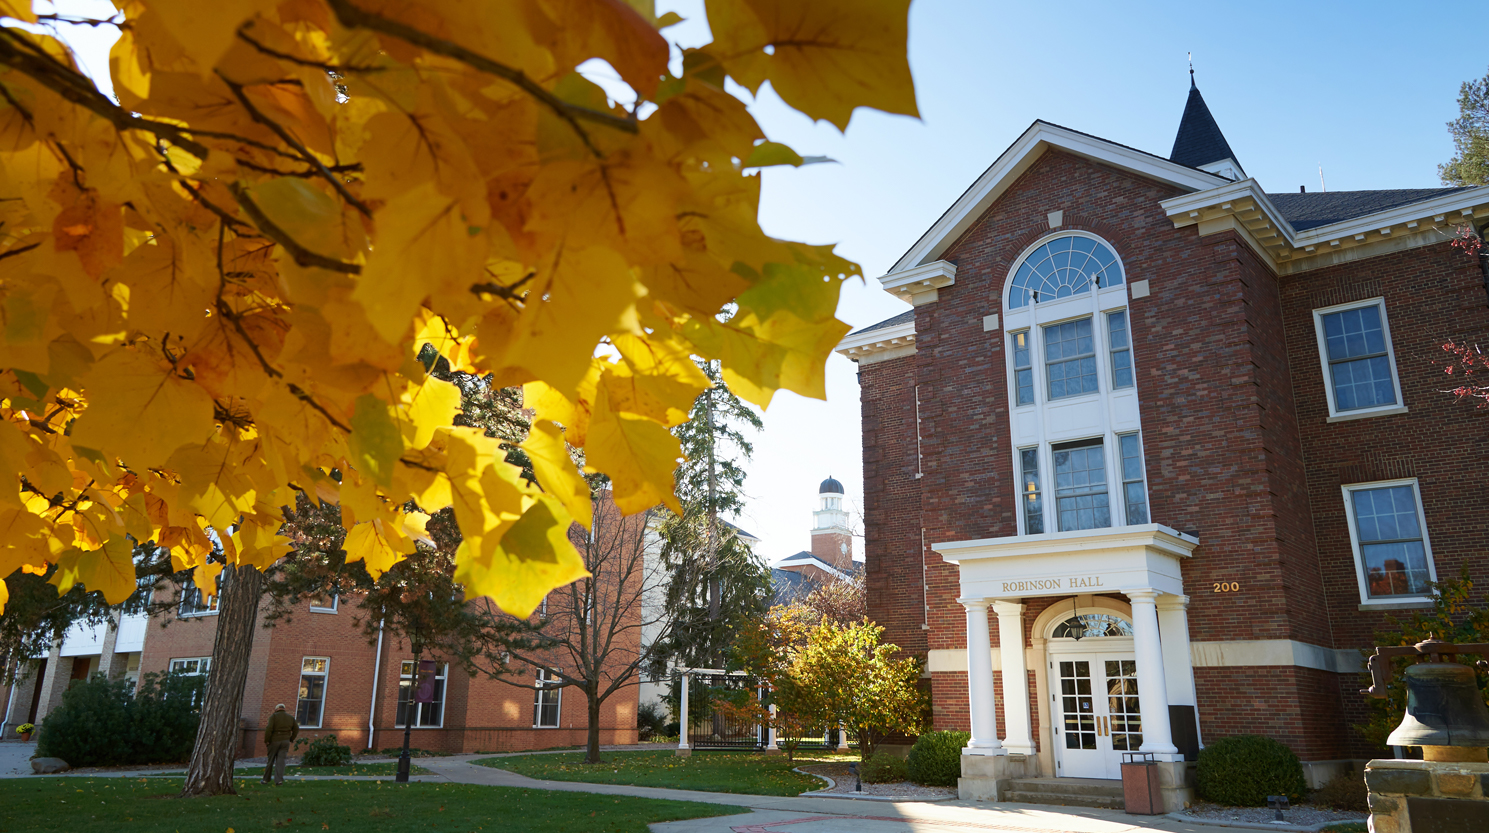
(712, 724)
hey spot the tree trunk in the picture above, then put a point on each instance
(592, 750)
(211, 769)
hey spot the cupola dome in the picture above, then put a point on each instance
(830, 485)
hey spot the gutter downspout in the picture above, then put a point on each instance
(377, 664)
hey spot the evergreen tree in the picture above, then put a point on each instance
(717, 581)
(1470, 131)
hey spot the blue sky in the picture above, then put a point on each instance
(1361, 88)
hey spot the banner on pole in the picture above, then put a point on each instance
(424, 691)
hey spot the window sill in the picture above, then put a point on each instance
(1350, 415)
(196, 615)
(1408, 604)
(322, 610)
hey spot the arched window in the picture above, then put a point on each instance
(1092, 624)
(1061, 268)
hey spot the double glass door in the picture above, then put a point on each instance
(1097, 714)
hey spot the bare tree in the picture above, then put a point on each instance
(600, 633)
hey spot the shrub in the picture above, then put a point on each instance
(1345, 791)
(883, 768)
(650, 720)
(936, 758)
(166, 716)
(324, 751)
(92, 727)
(1242, 771)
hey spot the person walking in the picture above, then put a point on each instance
(279, 732)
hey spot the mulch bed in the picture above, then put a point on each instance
(1303, 814)
(845, 785)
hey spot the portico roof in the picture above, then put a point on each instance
(1115, 560)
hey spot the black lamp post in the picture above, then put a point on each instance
(411, 709)
(1077, 627)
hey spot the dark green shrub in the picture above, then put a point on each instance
(884, 768)
(92, 727)
(166, 715)
(1242, 771)
(1345, 791)
(936, 758)
(650, 721)
(324, 751)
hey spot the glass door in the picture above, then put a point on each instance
(1097, 714)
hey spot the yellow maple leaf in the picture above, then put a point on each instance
(141, 410)
(556, 471)
(109, 570)
(635, 453)
(378, 545)
(535, 555)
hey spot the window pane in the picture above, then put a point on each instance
(1069, 351)
(1117, 325)
(1081, 499)
(1354, 333)
(1392, 552)
(1363, 383)
(1033, 505)
(1025, 381)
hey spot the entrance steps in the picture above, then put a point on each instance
(1068, 792)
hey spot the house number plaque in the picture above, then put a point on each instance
(1227, 586)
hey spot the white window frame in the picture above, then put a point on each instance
(335, 603)
(325, 691)
(211, 608)
(441, 672)
(1335, 415)
(204, 665)
(1387, 602)
(546, 681)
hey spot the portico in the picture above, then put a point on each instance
(1146, 629)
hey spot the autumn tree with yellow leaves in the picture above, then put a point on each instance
(214, 290)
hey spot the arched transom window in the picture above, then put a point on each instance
(1092, 624)
(1061, 268)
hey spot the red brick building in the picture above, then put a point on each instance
(1142, 402)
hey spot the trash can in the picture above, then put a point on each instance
(1140, 789)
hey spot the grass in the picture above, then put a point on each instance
(724, 772)
(149, 805)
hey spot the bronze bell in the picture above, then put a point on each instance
(1445, 713)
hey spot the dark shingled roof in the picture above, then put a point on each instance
(1200, 141)
(907, 315)
(1306, 211)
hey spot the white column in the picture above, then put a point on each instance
(984, 720)
(1018, 729)
(770, 732)
(682, 723)
(1152, 691)
(1178, 658)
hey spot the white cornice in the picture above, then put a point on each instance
(918, 284)
(1244, 207)
(1155, 536)
(1018, 158)
(879, 345)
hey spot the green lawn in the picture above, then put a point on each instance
(149, 805)
(724, 772)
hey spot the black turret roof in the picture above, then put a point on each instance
(1199, 141)
(830, 485)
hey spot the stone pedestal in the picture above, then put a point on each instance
(1427, 796)
(986, 777)
(1177, 780)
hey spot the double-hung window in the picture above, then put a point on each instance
(1081, 499)
(1033, 502)
(547, 700)
(1023, 372)
(1134, 489)
(425, 715)
(1070, 358)
(196, 602)
(325, 603)
(1121, 349)
(1359, 366)
(1389, 536)
(311, 701)
(193, 667)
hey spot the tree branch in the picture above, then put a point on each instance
(353, 17)
(302, 255)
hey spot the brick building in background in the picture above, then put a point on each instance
(322, 666)
(1140, 401)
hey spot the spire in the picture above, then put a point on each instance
(1200, 144)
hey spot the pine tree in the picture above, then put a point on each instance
(1470, 131)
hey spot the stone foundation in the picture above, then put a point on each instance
(1177, 780)
(986, 777)
(1427, 796)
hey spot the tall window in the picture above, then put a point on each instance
(1359, 367)
(325, 603)
(1081, 499)
(1390, 540)
(1070, 358)
(1033, 504)
(1134, 491)
(547, 700)
(312, 697)
(426, 715)
(1023, 373)
(1121, 347)
(196, 602)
